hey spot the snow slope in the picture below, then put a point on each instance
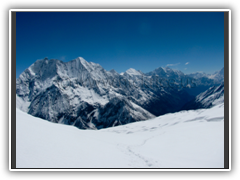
(133, 72)
(211, 97)
(187, 139)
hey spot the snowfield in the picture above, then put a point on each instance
(186, 139)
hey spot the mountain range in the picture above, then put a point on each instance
(85, 95)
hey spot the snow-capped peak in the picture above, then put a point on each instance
(87, 65)
(167, 69)
(133, 72)
(83, 62)
(218, 75)
(113, 71)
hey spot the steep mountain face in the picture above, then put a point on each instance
(71, 92)
(85, 95)
(119, 111)
(211, 97)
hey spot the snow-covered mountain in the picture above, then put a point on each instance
(218, 76)
(167, 73)
(211, 97)
(85, 95)
(133, 72)
(198, 75)
(186, 139)
(200, 78)
(194, 83)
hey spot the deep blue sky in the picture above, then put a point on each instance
(123, 40)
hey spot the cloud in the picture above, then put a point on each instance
(185, 69)
(173, 64)
(186, 63)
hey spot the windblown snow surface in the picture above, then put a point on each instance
(186, 139)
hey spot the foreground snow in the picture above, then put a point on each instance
(187, 139)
